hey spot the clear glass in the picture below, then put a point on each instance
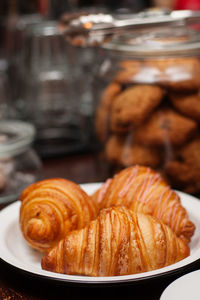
(148, 104)
(52, 101)
(14, 32)
(19, 164)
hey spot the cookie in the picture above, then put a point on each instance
(187, 104)
(114, 148)
(103, 110)
(131, 107)
(178, 74)
(184, 170)
(128, 70)
(166, 127)
(123, 151)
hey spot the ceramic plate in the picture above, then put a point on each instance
(184, 288)
(16, 252)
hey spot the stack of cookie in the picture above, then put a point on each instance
(150, 114)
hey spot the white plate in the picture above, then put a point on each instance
(185, 288)
(16, 252)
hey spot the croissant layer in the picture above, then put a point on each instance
(51, 208)
(118, 242)
(143, 190)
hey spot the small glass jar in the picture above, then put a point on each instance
(147, 94)
(19, 163)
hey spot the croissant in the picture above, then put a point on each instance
(143, 190)
(51, 208)
(118, 242)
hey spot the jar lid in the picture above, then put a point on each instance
(15, 137)
(170, 41)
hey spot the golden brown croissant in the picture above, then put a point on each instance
(118, 242)
(51, 208)
(143, 190)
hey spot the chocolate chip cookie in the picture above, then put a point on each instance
(178, 74)
(187, 104)
(121, 150)
(166, 127)
(103, 110)
(184, 170)
(128, 70)
(131, 107)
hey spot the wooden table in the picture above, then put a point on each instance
(16, 284)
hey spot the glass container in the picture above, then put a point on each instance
(147, 99)
(19, 163)
(15, 29)
(51, 98)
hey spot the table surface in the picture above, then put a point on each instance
(16, 284)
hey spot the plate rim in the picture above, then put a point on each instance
(74, 279)
(172, 285)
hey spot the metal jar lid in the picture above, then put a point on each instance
(97, 29)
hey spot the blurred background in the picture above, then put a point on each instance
(45, 81)
(48, 83)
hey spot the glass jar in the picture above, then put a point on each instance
(14, 47)
(148, 103)
(52, 100)
(19, 163)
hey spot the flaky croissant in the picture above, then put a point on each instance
(118, 242)
(143, 190)
(51, 208)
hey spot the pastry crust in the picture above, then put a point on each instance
(118, 242)
(51, 208)
(143, 190)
